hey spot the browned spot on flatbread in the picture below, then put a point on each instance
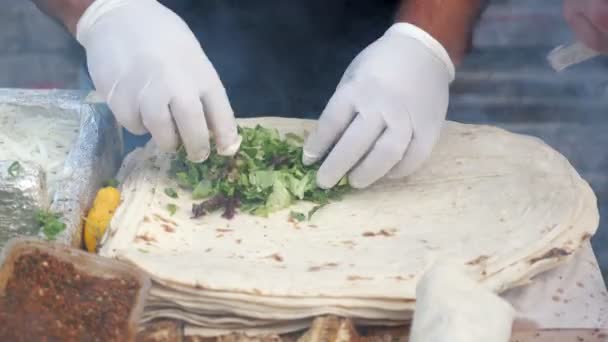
(556, 298)
(223, 230)
(479, 260)
(146, 238)
(324, 266)
(165, 220)
(208, 250)
(551, 254)
(168, 228)
(561, 291)
(356, 277)
(146, 219)
(276, 257)
(348, 243)
(585, 237)
(238, 241)
(383, 232)
(257, 292)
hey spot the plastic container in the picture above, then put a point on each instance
(85, 263)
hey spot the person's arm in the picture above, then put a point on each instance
(589, 21)
(66, 12)
(449, 21)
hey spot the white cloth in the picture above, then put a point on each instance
(452, 307)
(387, 111)
(568, 303)
(151, 70)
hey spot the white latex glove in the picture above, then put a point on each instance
(155, 77)
(387, 111)
(451, 307)
(589, 20)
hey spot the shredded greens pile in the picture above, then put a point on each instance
(266, 175)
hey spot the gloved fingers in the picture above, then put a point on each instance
(358, 139)
(156, 116)
(189, 117)
(386, 153)
(417, 152)
(122, 100)
(334, 120)
(221, 120)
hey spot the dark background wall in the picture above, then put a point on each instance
(285, 57)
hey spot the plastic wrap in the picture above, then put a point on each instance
(93, 159)
(22, 192)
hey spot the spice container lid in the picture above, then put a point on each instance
(89, 264)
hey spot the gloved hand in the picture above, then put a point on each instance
(589, 20)
(387, 111)
(155, 77)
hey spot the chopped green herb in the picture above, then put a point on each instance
(297, 216)
(265, 175)
(15, 169)
(314, 210)
(172, 208)
(111, 182)
(171, 192)
(50, 224)
(143, 250)
(204, 189)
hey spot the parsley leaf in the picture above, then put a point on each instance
(15, 169)
(50, 224)
(172, 208)
(171, 192)
(297, 216)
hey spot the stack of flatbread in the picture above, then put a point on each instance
(504, 205)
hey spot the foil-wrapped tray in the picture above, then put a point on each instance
(94, 158)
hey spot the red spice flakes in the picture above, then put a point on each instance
(49, 300)
(168, 228)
